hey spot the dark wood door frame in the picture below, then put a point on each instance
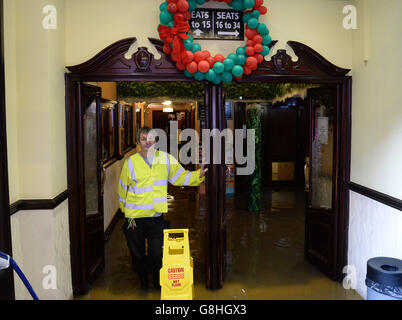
(6, 276)
(111, 65)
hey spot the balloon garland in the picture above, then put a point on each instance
(174, 31)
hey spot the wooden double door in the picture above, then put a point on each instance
(306, 137)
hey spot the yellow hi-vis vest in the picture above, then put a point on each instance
(143, 190)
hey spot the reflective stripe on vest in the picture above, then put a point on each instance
(187, 180)
(160, 183)
(168, 163)
(140, 190)
(131, 169)
(160, 200)
(139, 206)
(177, 175)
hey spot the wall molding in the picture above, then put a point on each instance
(40, 204)
(376, 195)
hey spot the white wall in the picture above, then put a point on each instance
(375, 229)
(41, 238)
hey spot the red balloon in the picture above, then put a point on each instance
(250, 33)
(263, 10)
(203, 66)
(189, 57)
(180, 66)
(198, 56)
(167, 49)
(258, 3)
(187, 15)
(211, 61)
(239, 78)
(250, 43)
(257, 39)
(182, 5)
(252, 63)
(247, 70)
(258, 47)
(259, 57)
(172, 1)
(206, 54)
(172, 8)
(250, 51)
(219, 58)
(192, 67)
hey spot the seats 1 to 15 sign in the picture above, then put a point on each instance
(212, 24)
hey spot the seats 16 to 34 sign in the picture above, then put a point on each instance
(212, 24)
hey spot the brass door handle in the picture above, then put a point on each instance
(306, 176)
(103, 179)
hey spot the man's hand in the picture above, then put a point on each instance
(203, 170)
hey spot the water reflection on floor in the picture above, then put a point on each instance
(265, 253)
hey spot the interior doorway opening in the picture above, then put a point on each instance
(112, 65)
(264, 248)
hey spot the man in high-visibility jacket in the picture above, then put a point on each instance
(143, 200)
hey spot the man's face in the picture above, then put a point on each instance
(147, 141)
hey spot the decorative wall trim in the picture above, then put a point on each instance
(43, 204)
(377, 196)
(109, 230)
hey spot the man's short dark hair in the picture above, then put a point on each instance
(143, 130)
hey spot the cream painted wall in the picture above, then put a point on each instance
(377, 112)
(317, 23)
(35, 100)
(10, 54)
(375, 229)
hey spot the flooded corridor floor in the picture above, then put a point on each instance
(265, 253)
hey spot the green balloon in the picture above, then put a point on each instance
(196, 47)
(210, 75)
(200, 2)
(188, 74)
(219, 67)
(255, 14)
(253, 23)
(247, 17)
(237, 71)
(218, 79)
(232, 56)
(165, 17)
(192, 5)
(163, 6)
(262, 29)
(266, 40)
(199, 76)
(228, 64)
(240, 51)
(249, 3)
(227, 77)
(238, 5)
(265, 50)
(241, 59)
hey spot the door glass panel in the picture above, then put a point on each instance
(322, 156)
(90, 160)
(283, 171)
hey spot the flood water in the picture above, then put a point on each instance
(265, 253)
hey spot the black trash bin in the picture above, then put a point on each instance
(384, 279)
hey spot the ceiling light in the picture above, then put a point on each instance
(168, 109)
(167, 103)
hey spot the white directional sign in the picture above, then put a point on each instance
(212, 24)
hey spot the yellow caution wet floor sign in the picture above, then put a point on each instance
(176, 275)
